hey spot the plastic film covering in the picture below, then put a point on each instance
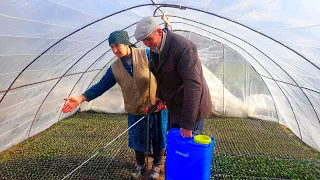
(29, 30)
(82, 84)
(286, 116)
(18, 110)
(88, 59)
(261, 70)
(305, 114)
(75, 49)
(315, 100)
(275, 51)
(232, 82)
(111, 101)
(50, 109)
(265, 63)
(102, 61)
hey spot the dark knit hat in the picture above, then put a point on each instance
(120, 37)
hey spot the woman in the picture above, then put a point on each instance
(131, 72)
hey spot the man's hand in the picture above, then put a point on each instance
(72, 103)
(186, 133)
(161, 105)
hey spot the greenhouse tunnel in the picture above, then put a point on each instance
(260, 58)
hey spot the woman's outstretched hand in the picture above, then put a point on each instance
(72, 103)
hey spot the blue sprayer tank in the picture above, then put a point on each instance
(187, 159)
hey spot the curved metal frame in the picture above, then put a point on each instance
(259, 63)
(67, 72)
(65, 38)
(238, 54)
(256, 71)
(244, 58)
(270, 75)
(85, 73)
(160, 5)
(97, 73)
(195, 9)
(213, 14)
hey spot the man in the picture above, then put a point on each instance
(178, 71)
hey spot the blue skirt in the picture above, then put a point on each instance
(158, 123)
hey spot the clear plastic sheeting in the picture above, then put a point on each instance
(301, 104)
(310, 135)
(6, 80)
(295, 23)
(15, 135)
(102, 61)
(84, 82)
(11, 66)
(286, 115)
(260, 58)
(19, 96)
(47, 67)
(111, 101)
(17, 111)
(96, 9)
(16, 27)
(232, 82)
(71, 51)
(15, 45)
(79, 88)
(315, 100)
(89, 59)
(259, 102)
(50, 109)
(305, 113)
(272, 49)
(46, 12)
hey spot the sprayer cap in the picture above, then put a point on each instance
(202, 139)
